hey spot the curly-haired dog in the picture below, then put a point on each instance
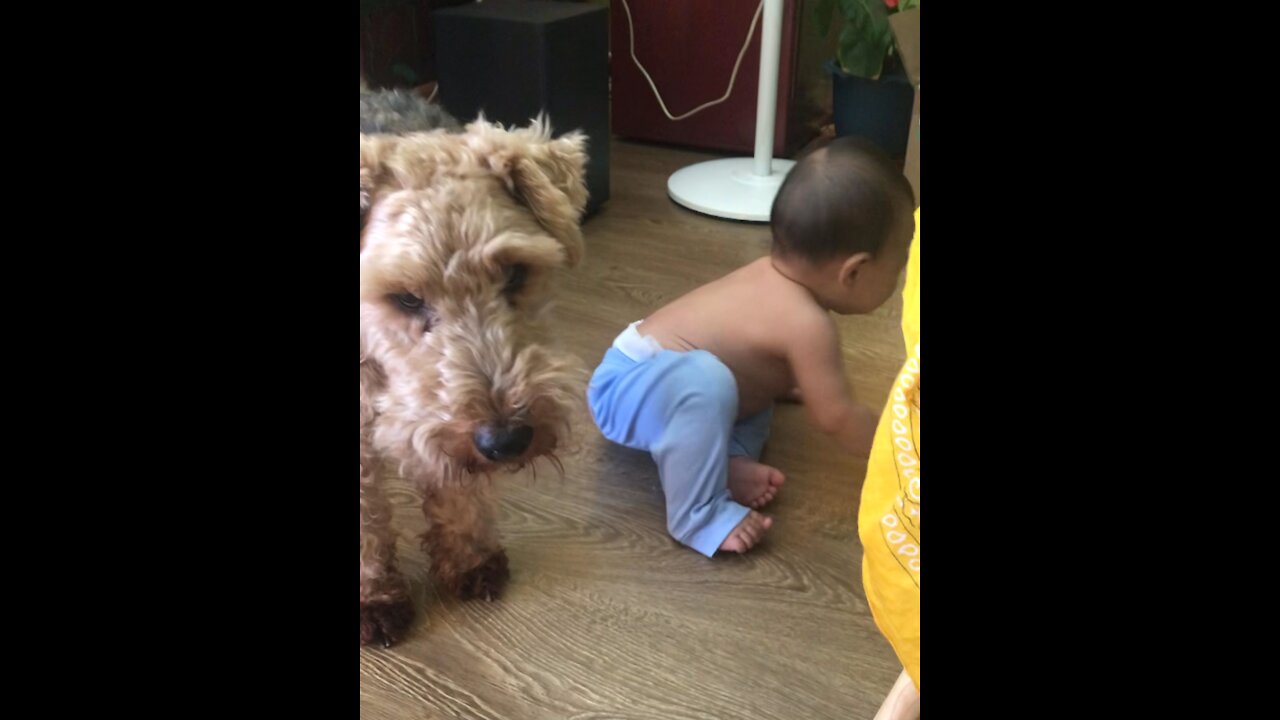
(462, 234)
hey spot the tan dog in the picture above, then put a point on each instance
(461, 234)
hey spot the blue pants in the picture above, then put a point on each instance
(680, 407)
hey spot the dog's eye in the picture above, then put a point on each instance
(409, 301)
(516, 276)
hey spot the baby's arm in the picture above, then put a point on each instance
(813, 351)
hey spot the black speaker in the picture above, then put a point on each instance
(513, 59)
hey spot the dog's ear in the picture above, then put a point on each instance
(546, 175)
(366, 193)
(372, 150)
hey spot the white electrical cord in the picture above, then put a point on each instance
(732, 78)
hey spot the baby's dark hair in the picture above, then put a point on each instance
(839, 200)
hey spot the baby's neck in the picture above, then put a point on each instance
(803, 275)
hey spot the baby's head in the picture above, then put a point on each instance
(842, 225)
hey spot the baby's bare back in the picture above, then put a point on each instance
(741, 319)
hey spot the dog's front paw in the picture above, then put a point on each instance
(485, 580)
(385, 621)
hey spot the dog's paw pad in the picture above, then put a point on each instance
(385, 622)
(486, 580)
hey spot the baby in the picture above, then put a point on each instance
(695, 382)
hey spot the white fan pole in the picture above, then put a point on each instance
(767, 97)
(743, 188)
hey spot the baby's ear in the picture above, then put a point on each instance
(545, 175)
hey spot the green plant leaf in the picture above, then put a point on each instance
(851, 10)
(822, 11)
(862, 53)
(877, 17)
(865, 39)
(405, 74)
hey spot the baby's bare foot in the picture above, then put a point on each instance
(748, 533)
(752, 483)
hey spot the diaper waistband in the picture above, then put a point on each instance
(636, 346)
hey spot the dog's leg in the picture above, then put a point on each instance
(385, 607)
(462, 539)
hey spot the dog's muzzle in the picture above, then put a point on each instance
(500, 443)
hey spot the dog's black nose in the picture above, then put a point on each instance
(503, 442)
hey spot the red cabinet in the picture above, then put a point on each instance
(689, 48)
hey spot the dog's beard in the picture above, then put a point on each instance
(428, 420)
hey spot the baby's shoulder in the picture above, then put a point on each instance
(801, 308)
(796, 318)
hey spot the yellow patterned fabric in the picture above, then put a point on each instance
(889, 514)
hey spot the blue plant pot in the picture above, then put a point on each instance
(879, 110)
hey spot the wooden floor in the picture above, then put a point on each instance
(606, 616)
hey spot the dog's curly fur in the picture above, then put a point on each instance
(462, 234)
